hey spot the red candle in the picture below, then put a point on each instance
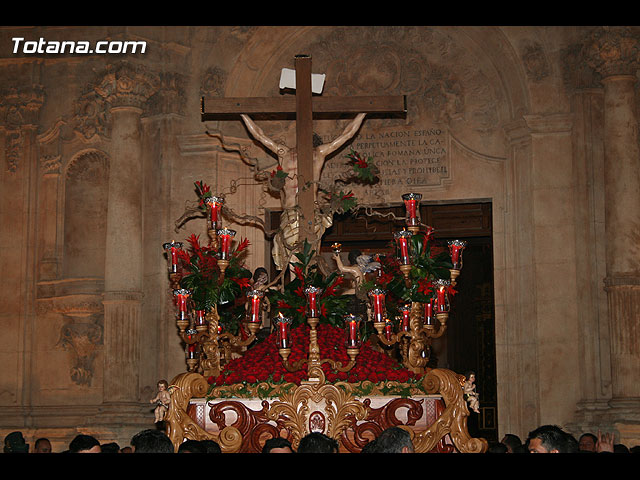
(172, 249)
(377, 299)
(312, 301)
(405, 318)
(388, 329)
(182, 298)
(455, 249)
(428, 314)
(442, 302)
(254, 308)
(402, 240)
(283, 331)
(191, 351)
(411, 201)
(353, 337)
(215, 207)
(200, 317)
(225, 242)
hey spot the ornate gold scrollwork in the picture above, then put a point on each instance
(453, 420)
(181, 426)
(330, 409)
(295, 409)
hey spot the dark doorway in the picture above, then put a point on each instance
(469, 344)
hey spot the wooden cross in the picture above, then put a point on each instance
(304, 105)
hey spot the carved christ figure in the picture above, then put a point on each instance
(286, 239)
(288, 158)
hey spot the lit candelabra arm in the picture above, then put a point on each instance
(172, 248)
(404, 252)
(456, 248)
(225, 235)
(412, 204)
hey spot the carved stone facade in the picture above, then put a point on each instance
(100, 152)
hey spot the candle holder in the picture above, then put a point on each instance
(197, 294)
(214, 222)
(182, 316)
(412, 204)
(206, 336)
(416, 328)
(254, 310)
(378, 308)
(442, 305)
(402, 241)
(312, 294)
(313, 360)
(172, 248)
(225, 235)
(455, 249)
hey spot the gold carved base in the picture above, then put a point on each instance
(331, 409)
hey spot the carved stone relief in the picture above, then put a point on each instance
(170, 95)
(125, 84)
(213, 82)
(602, 51)
(19, 107)
(90, 116)
(81, 337)
(535, 61)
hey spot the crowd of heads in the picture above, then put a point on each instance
(553, 439)
(544, 439)
(392, 440)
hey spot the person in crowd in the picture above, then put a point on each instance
(394, 440)
(84, 444)
(497, 447)
(151, 441)
(277, 445)
(15, 443)
(370, 447)
(587, 442)
(620, 448)
(192, 446)
(111, 447)
(211, 446)
(512, 442)
(316, 442)
(574, 447)
(42, 445)
(548, 439)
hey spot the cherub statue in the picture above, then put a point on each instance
(162, 399)
(260, 278)
(470, 394)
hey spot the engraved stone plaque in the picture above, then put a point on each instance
(408, 157)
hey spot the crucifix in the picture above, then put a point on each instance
(304, 105)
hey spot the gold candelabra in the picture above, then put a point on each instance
(420, 322)
(313, 360)
(200, 329)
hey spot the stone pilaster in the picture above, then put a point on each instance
(126, 89)
(614, 54)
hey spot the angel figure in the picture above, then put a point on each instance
(470, 393)
(162, 400)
